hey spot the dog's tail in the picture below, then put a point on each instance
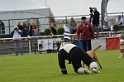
(99, 46)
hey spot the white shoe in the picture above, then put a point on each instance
(87, 71)
(95, 70)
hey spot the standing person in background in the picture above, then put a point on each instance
(67, 36)
(33, 31)
(25, 29)
(96, 21)
(73, 26)
(53, 28)
(20, 26)
(91, 15)
(16, 35)
(86, 33)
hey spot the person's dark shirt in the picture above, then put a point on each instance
(25, 30)
(20, 27)
(31, 32)
(53, 31)
(96, 18)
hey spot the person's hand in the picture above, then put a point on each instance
(35, 31)
(19, 30)
(25, 28)
(79, 40)
(92, 37)
(52, 34)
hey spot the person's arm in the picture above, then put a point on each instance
(20, 33)
(52, 34)
(78, 33)
(92, 31)
(75, 25)
(70, 25)
(55, 28)
(61, 61)
(117, 21)
(121, 21)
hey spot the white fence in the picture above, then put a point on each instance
(34, 44)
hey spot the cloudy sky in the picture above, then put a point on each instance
(70, 7)
(79, 7)
(62, 7)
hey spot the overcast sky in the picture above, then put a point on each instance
(79, 7)
(62, 7)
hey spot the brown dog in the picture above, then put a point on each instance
(92, 54)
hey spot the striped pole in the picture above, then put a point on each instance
(121, 48)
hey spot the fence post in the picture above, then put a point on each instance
(9, 25)
(29, 44)
(38, 26)
(66, 20)
(122, 14)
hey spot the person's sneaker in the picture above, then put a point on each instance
(87, 71)
(122, 56)
(95, 70)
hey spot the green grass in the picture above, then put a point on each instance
(44, 68)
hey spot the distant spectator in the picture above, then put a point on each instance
(20, 26)
(73, 26)
(91, 15)
(67, 36)
(33, 31)
(96, 17)
(120, 21)
(2, 27)
(111, 28)
(53, 28)
(25, 29)
(16, 35)
(95, 21)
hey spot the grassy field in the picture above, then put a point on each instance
(44, 68)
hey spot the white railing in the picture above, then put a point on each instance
(29, 44)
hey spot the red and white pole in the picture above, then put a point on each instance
(121, 48)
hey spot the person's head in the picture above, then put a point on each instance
(15, 28)
(119, 16)
(24, 22)
(94, 9)
(83, 19)
(33, 24)
(72, 19)
(19, 23)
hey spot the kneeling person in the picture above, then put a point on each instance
(76, 55)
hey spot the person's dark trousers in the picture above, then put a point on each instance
(18, 47)
(77, 55)
(96, 28)
(86, 44)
